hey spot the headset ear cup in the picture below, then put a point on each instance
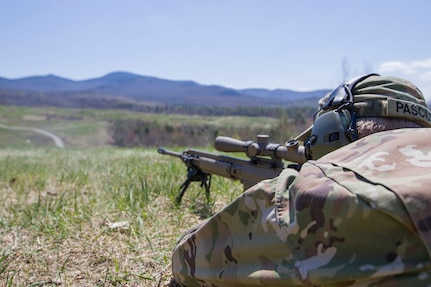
(335, 123)
(330, 132)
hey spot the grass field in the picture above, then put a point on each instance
(90, 214)
(90, 127)
(95, 217)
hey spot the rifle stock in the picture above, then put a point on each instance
(265, 161)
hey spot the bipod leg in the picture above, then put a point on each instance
(183, 189)
(206, 182)
(193, 174)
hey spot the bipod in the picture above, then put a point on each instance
(194, 174)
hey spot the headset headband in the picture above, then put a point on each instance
(343, 94)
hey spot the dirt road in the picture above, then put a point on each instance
(58, 142)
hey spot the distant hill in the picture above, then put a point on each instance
(122, 88)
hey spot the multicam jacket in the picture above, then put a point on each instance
(359, 216)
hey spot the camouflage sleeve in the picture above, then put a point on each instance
(239, 246)
(306, 229)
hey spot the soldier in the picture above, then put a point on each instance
(357, 214)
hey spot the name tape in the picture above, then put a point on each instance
(409, 110)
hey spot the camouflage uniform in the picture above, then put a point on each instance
(359, 216)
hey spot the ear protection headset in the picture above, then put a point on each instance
(334, 125)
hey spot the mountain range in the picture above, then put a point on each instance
(123, 87)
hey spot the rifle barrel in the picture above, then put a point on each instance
(168, 152)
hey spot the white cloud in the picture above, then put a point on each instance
(424, 64)
(396, 66)
(417, 71)
(413, 67)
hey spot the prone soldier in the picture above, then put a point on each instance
(358, 213)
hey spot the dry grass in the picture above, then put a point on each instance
(96, 217)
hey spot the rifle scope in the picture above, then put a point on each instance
(291, 151)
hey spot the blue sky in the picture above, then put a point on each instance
(299, 45)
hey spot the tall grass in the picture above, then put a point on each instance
(95, 217)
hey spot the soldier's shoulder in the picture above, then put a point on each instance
(383, 142)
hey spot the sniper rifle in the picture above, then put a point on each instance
(265, 160)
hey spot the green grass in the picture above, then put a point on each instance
(76, 127)
(90, 127)
(92, 214)
(53, 116)
(95, 216)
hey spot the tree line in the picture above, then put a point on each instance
(151, 133)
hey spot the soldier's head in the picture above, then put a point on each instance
(362, 106)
